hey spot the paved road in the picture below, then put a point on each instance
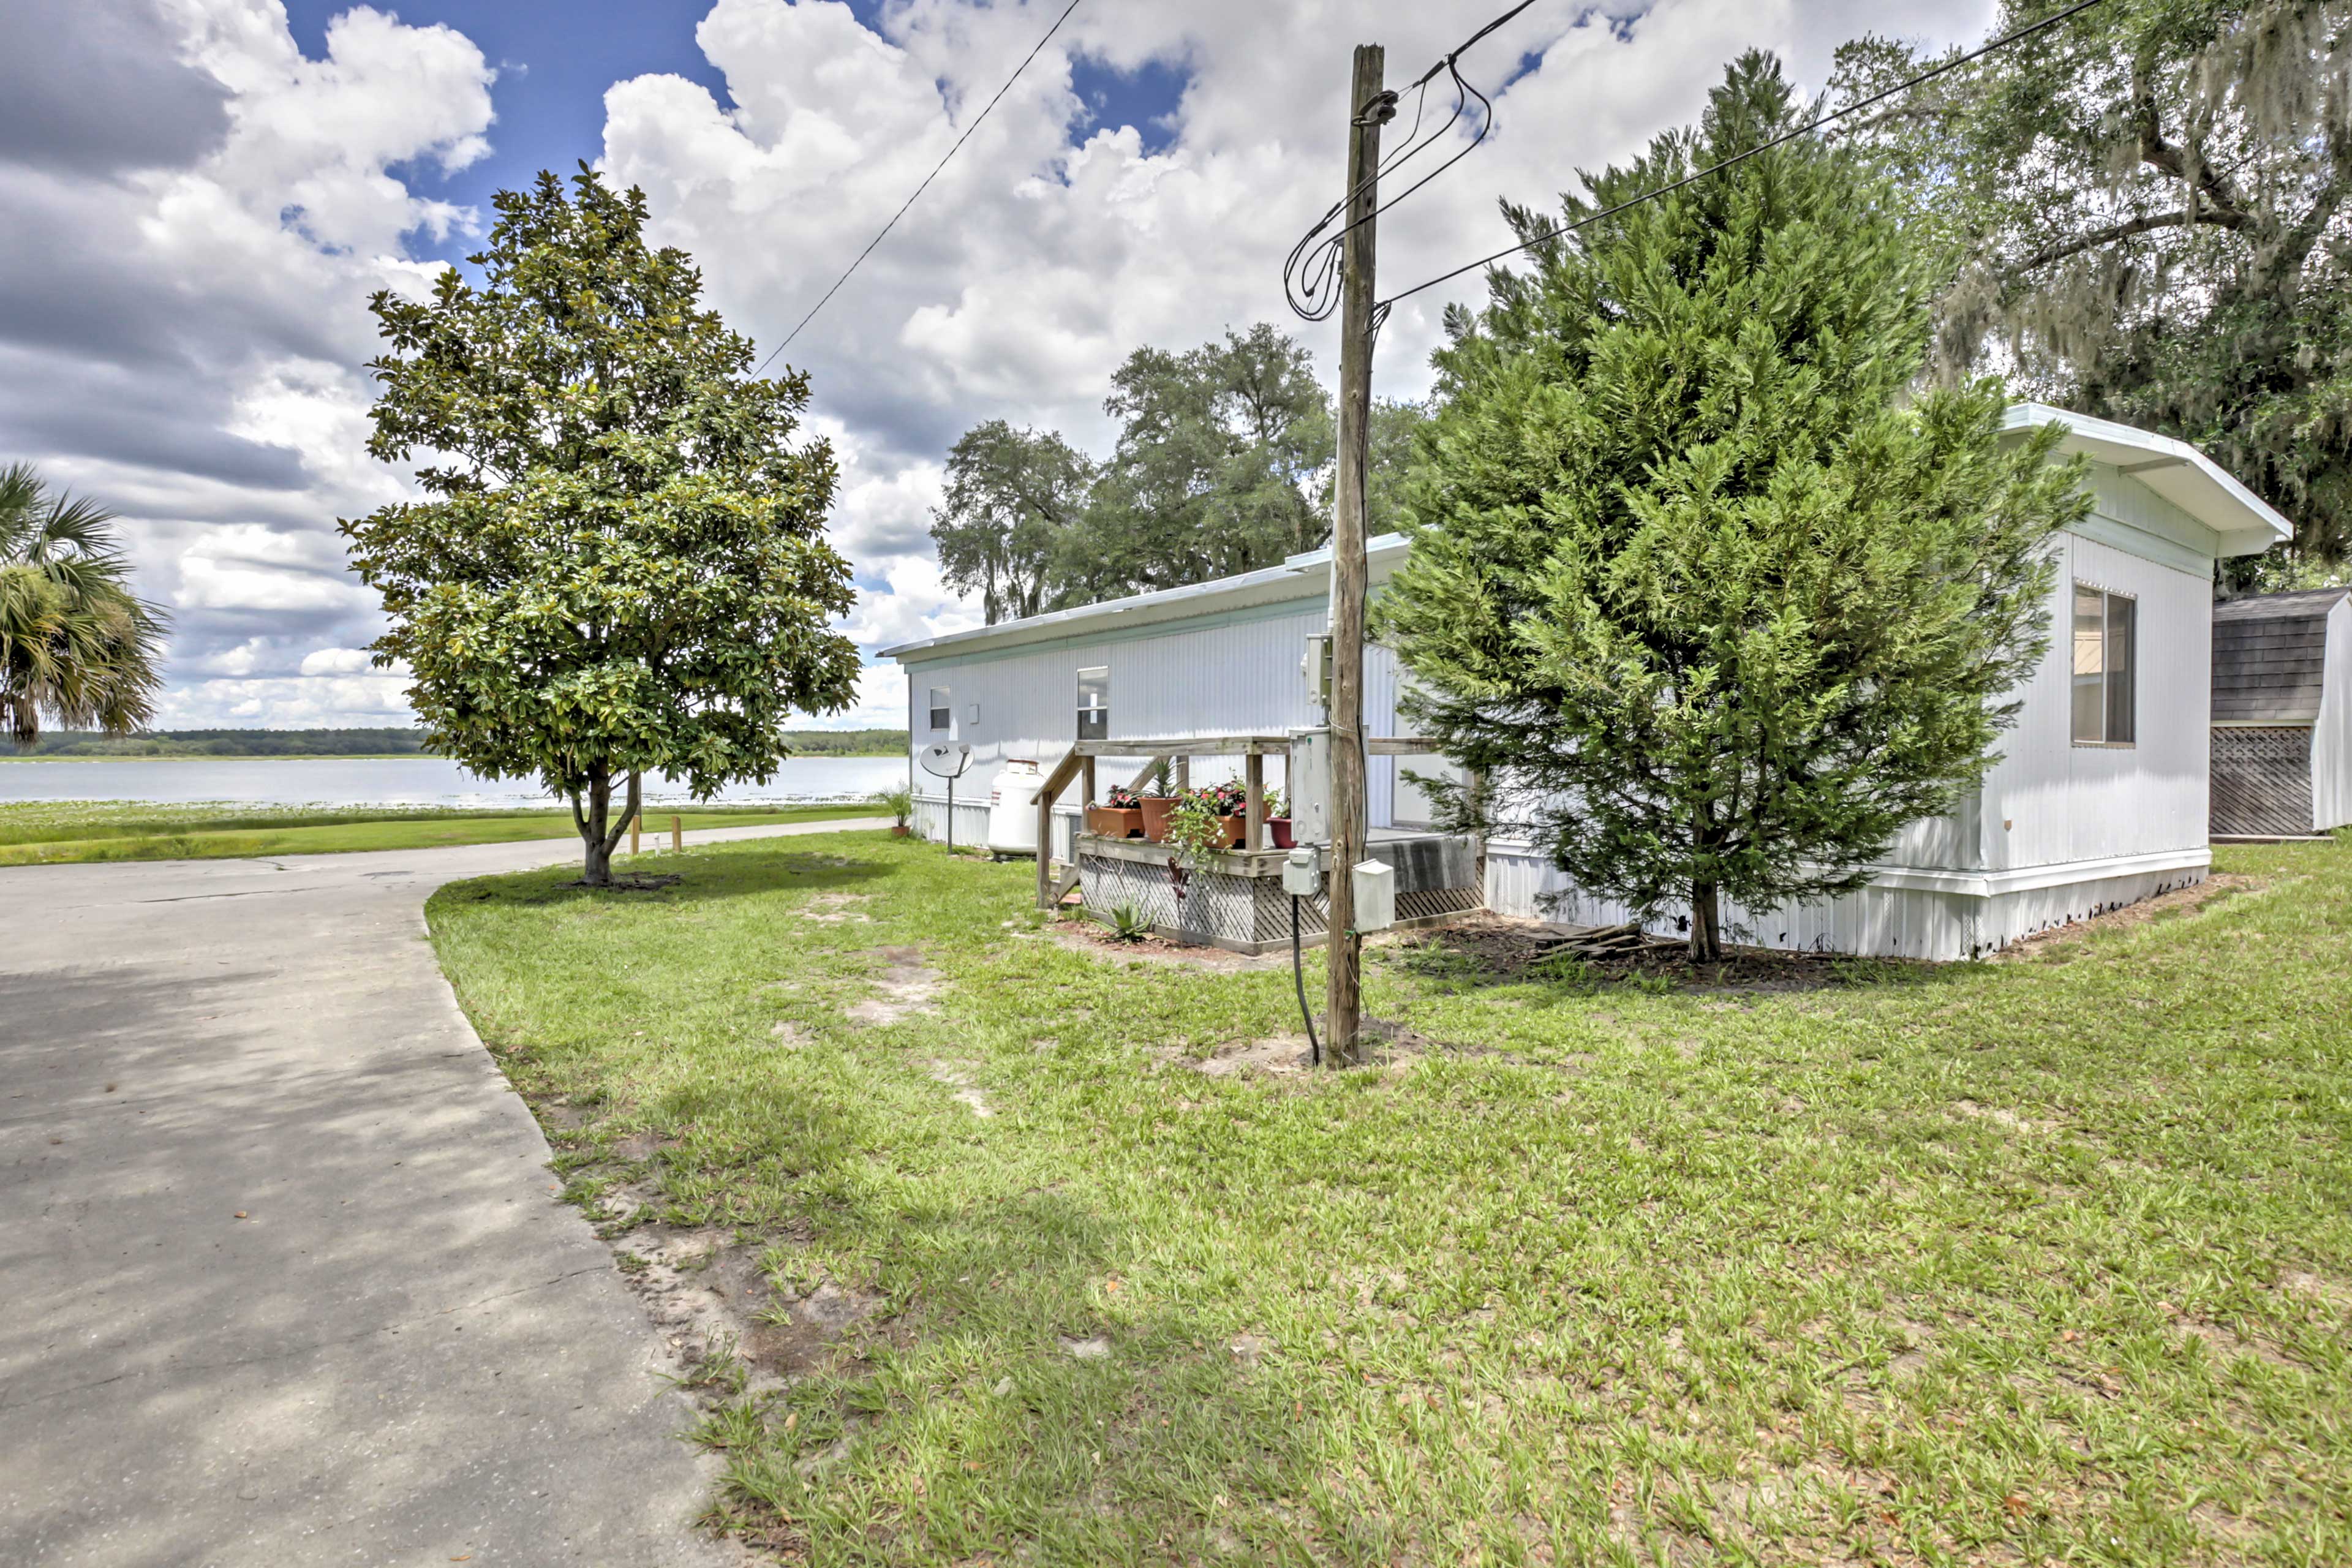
(405, 1351)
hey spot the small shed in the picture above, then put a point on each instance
(2283, 714)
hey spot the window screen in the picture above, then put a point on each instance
(941, 713)
(2106, 664)
(1094, 704)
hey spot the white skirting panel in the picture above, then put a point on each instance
(931, 822)
(1976, 915)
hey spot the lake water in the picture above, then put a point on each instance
(396, 781)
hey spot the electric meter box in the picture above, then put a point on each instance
(1308, 785)
(1302, 878)
(1317, 667)
(1375, 885)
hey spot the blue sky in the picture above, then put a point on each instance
(198, 197)
(556, 58)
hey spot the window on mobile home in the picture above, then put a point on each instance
(2107, 662)
(942, 714)
(1094, 703)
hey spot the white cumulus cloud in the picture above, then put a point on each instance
(184, 266)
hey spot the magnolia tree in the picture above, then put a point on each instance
(1711, 598)
(622, 564)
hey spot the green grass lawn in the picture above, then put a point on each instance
(48, 832)
(2043, 1260)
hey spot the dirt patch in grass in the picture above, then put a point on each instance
(906, 987)
(1384, 1045)
(2002, 1116)
(714, 1305)
(2318, 1289)
(956, 1077)
(1095, 941)
(1280, 1056)
(837, 908)
(2174, 905)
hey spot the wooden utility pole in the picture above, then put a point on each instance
(1366, 111)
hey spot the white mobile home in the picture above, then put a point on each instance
(2099, 800)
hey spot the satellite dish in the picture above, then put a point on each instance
(943, 761)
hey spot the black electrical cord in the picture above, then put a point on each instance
(1310, 273)
(1926, 76)
(926, 185)
(1298, 977)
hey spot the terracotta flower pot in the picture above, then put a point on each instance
(1235, 827)
(1277, 828)
(1115, 821)
(1156, 810)
(901, 830)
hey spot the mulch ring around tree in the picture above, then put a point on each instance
(1491, 948)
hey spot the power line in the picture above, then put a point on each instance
(1926, 76)
(934, 175)
(1464, 47)
(1310, 273)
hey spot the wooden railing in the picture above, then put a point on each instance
(1078, 764)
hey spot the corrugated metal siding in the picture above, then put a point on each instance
(2166, 530)
(1882, 921)
(1228, 676)
(2049, 801)
(2331, 739)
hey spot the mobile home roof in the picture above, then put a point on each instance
(2242, 523)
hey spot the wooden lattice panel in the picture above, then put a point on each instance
(1251, 913)
(2262, 781)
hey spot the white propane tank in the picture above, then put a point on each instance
(1012, 808)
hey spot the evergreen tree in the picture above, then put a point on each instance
(1713, 604)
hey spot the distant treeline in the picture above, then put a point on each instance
(386, 743)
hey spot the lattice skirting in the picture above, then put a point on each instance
(1248, 914)
(2262, 781)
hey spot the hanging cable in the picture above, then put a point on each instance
(1926, 76)
(1310, 274)
(934, 175)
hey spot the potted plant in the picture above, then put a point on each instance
(900, 804)
(1157, 802)
(1203, 821)
(1277, 819)
(1120, 815)
(1198, 826)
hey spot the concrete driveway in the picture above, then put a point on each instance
(283, 1278)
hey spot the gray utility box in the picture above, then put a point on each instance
(1309, 787)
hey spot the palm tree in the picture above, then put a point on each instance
(75, 642)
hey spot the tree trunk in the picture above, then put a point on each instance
(591, 816)
(1705, 926)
